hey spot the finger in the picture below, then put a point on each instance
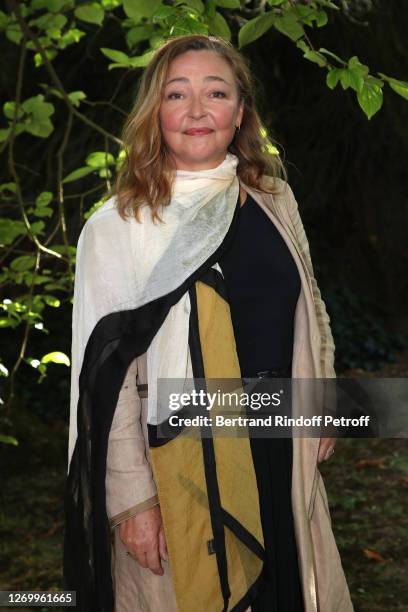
(139, 556)
(153, 561)
(322, 451)
(323, 454)
(325, 446)
(163, 546)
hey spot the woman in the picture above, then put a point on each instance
(200, 522)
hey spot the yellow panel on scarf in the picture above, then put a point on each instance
(179, 474)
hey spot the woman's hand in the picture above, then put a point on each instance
(143, 536)
(325, 446)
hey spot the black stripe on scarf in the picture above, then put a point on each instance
(210, 467)
(116, 340)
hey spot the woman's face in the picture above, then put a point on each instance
(200, 92)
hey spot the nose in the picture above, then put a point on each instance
(196, 107)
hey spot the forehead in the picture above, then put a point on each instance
(199, 63)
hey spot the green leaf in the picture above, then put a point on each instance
(51, 300)
(333, 55)
(91, 13)
(137, 34)
(197, 5)
(38, 59)
(400, 87)
(68, 38)
(54, 6)
(117, 56)
(333, 77)
(10, 230)
(7, 323)
(109, 5)
(306, 14)
(140, 8)
(105, 173)
(14, 33)
(156, 41)
(4, 134)
(43, 199)
(370, 98)
(76, 97)
(8, 440)
(78, 174)
(38, 227)
(255, 28)
(355, 65)
(219, 27)
(100, 159)
(163, 12)
(189, 24)
(4, 20)
(3, 370)
(321, 18)
(41, 128)
(42, 209)
(56, 357)
(275, 2)
(43, 212)
(345, 78)
(8, 187)
(310, 54)
(142, 60)
(50, 23)
(23, 263)
(314, 56)
(229, 4)
(38, 107)
(9, 110)
(289, 25)
(356, 80)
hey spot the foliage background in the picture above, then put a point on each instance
(340, 126)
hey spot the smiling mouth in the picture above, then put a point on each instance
(203, 132)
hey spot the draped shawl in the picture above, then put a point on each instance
(158, 288)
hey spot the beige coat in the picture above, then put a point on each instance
(130, 487)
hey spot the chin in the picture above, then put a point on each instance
(201, 153)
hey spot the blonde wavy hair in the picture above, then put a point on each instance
(147, 174)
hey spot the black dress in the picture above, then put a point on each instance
(263, 286)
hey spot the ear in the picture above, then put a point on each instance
(240, 113)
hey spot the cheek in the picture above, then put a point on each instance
(225, 117)
(170, 120)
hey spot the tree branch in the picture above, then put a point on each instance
(14, 6)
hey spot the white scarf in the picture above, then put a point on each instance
(122, 265)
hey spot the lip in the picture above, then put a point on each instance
(198, 131)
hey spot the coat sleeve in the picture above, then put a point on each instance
(130, 487)
(327, 343)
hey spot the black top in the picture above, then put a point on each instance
(263, 286)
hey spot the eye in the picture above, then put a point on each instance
(218, 94)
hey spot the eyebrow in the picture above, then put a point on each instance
(207, 78)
